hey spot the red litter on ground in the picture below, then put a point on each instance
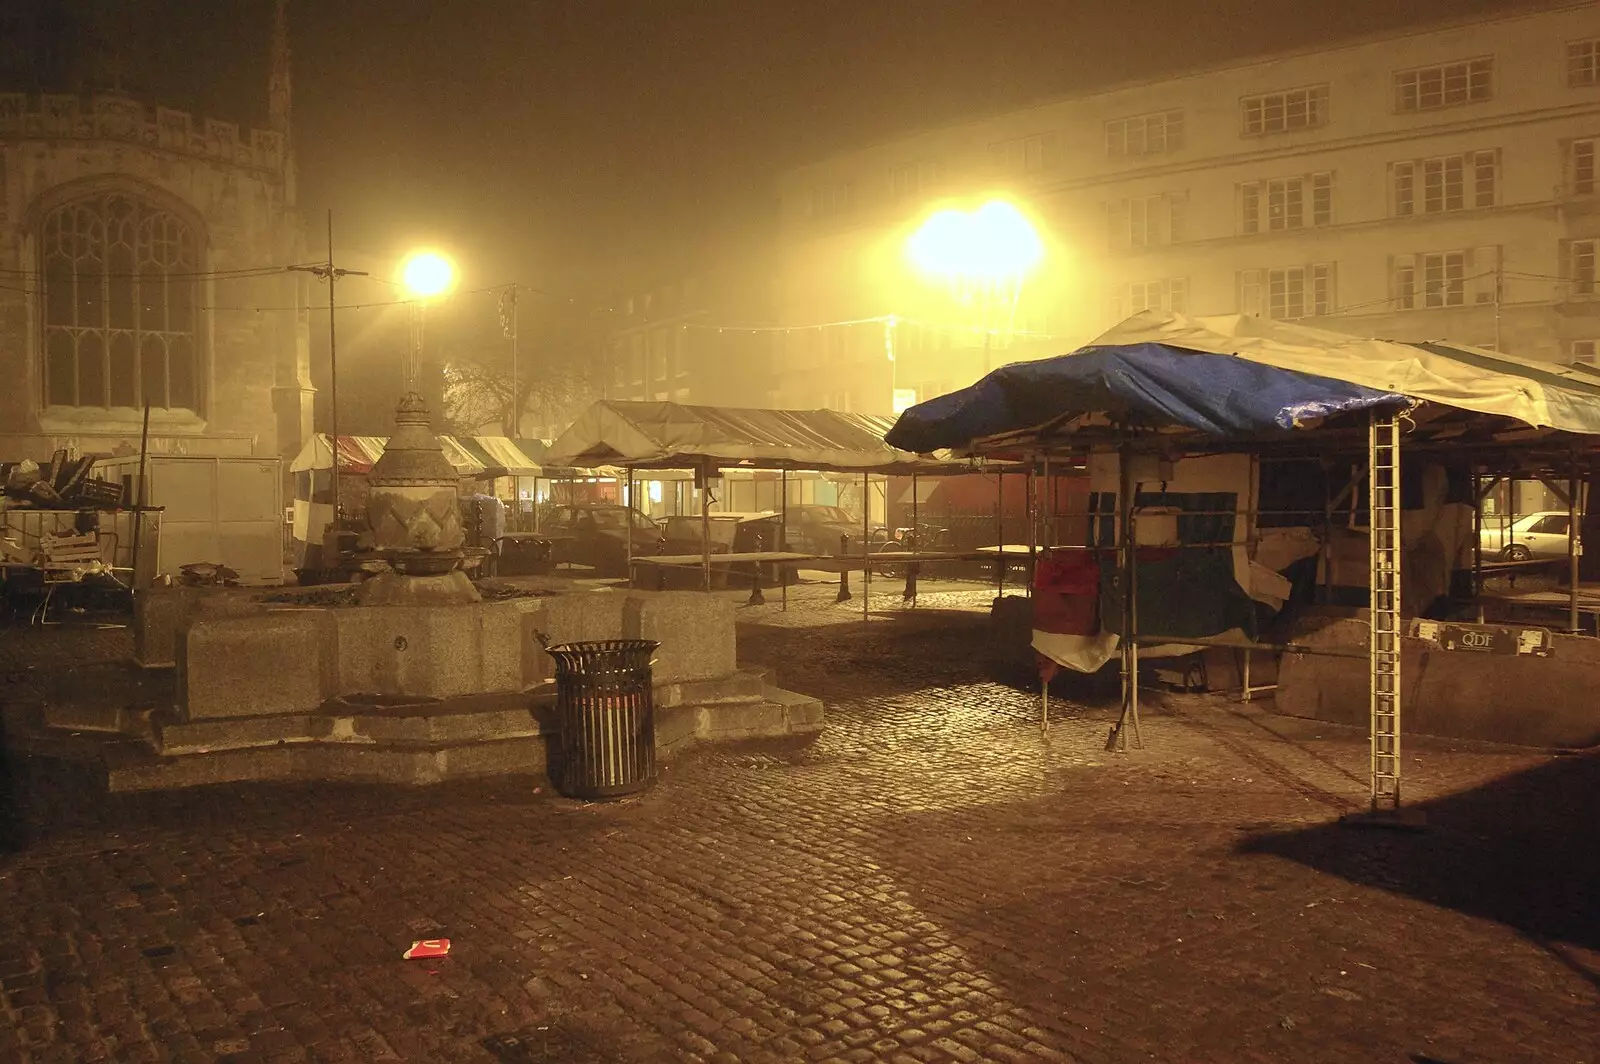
(427, 947)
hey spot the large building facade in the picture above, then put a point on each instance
(142, 256)
(705, 340)
(1433, 184)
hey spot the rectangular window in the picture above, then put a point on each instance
(1485, 177)
(1322, 289)
(1581, 266)
(1147, 221)
(1403, 284)
(1322, 199)
(1151, 134)
(1405, 189)
(1285, 112)
(1583, 63)
(1025, 155)
(1444, 279)
(1442, 185)
(1428, 88)
(1272, 206)
(1448, 183)
(1288, 292)
(1249, 291)
(1586, 351)
(1170, 294)
(1580, 167)
(1285, 205)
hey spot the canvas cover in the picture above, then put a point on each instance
(1238, 375)
(675, 436)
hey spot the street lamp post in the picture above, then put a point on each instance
(426, 275)
(331, 274)
(992, 249)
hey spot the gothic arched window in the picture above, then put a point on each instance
(119, 305)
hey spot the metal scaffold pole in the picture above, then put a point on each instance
(1128, 563)
(1383, 507)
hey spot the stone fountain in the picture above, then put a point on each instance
(415, 518)
(421, 680)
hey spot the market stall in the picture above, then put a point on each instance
(712, 441)
(1331, 413)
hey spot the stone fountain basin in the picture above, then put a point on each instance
(266, 661)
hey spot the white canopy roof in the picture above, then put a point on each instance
(674, 436)
(1541, 394)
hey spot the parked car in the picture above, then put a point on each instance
(816, 529)
(596, 536)
(1539, 535)
(730, 533)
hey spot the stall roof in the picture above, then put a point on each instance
(358, 453)
(501, 456)
(1239, 375)
(674, 436)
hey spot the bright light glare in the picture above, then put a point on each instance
(994, 243)
(427, 274)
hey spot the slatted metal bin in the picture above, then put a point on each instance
(606, 703)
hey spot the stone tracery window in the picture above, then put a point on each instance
(119, 305)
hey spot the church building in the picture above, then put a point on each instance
(143, 266)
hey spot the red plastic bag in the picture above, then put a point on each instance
(427, 947)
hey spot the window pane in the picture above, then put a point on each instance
(58, 301)
(124, 371)
(152, 300)
(1403, 192)
(1583, 168)
(91, 370)
(182, 387)
(61, 372)
(153, 370)
(121, 286)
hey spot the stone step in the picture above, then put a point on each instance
(802, 712)
(135, 767)
(777, 714)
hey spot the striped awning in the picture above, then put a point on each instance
(357, 454)
(500, 456)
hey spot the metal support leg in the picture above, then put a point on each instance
(866, 545)
(844, 571)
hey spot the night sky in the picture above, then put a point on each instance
(581, 145)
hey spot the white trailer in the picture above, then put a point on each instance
(223, 511)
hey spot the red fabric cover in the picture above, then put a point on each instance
(1066, 598)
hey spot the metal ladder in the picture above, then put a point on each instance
(1383, 464)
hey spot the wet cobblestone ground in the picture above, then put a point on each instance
(931, 879)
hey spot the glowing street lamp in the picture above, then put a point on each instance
(426, 275)
(991, 249)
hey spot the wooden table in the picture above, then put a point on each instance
(663, 562)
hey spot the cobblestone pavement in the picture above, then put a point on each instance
(931, 879)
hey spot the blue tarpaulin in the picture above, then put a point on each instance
(1222, 395)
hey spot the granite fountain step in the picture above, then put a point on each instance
(416, 742)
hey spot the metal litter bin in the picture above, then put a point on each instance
(606, 705)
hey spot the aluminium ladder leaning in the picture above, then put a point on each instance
(1383, 464)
